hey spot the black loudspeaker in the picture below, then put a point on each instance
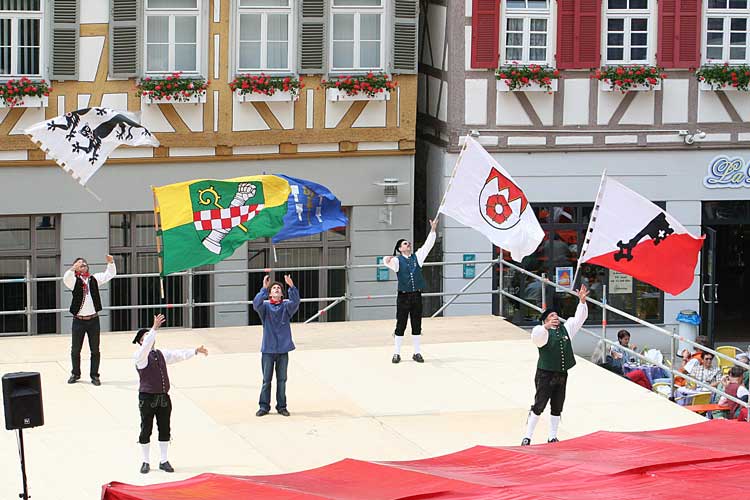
(22, 398)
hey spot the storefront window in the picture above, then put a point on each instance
(557, 257)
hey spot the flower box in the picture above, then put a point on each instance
(709, 87)
(29, 101)
(278, 96)
(638, 87)
(191, 99)
(530, 87)
(341, 95)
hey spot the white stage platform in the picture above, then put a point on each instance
(346, 399)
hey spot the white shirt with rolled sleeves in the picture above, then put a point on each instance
(540, 335)
(69, 279)
(170, 355)
(421, 254)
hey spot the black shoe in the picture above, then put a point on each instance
(145, 468)
(553, 440)
(96, 381)
(166, 467)
(73, 379)
(396, 359)
(261, 412)
(418, 358)
(526, 442)
(283, 412)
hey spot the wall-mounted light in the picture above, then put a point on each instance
(390, 197)
(698, 136)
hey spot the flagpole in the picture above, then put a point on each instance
(158, 241)
(590, 228)
(453, 174)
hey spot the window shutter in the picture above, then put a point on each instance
(405, 36)
(312, 39)
(124, 35)
(485, 33)
(64, 40)
(679, 34)
(578, 33)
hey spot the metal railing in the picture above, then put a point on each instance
(190, 304)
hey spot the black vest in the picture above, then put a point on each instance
(77, 303)
(154, 378)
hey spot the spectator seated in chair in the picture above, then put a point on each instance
(732, 385)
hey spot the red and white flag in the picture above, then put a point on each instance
(482, 195)
(631, 235)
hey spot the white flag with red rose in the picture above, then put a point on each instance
(629, 234)
(482, 195)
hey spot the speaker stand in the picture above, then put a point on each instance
(25, 494)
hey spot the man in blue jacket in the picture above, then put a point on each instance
(276, 315)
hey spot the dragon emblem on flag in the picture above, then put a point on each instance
(501, 201)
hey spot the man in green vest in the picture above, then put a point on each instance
(411, 283)
(555, 359)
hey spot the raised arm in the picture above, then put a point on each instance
(69, 278)
(425, 249)
(391, 263)
(539, 336)
(176, 355)
(574, 324)
(141, 355)
(259, 300)
(292, 305)
(108, 273)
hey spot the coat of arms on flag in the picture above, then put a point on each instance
(81, 141)
(632, 235)
(483, 196)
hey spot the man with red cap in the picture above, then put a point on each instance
(553, 339)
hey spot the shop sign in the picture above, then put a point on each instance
(469, 269)
(382, 272)
(725, 172)
(619, 283)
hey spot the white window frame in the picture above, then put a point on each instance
(291, 10)
(628, 15)
(726, 15)
(357, 11)
(199, 14)
(15, 16)
(527, 15)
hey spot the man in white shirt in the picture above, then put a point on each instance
(408, 269)
(85, 308)
(553, 339)
(153, 390)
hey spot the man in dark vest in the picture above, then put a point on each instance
(85, 309)
(153, 392)
(555, 359)
(408, 269)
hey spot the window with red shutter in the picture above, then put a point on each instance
(679, 33)
(485, 33)
(526, 26)
(578, 33)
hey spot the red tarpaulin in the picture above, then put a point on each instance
(710, 459)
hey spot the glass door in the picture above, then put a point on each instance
(709, 285)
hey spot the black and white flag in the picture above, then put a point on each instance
(82, 140)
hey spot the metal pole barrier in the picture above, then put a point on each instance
(190, 300)
(604, 312)
(673, 359)
(347, 288)
(29, 306)
(323, 311)
(466, 287)
(544, 291)
(500, 285)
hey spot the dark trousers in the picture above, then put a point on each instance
(82, 327)
(154, 405)
(269, 362)
(550, 387)
(408, 304)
